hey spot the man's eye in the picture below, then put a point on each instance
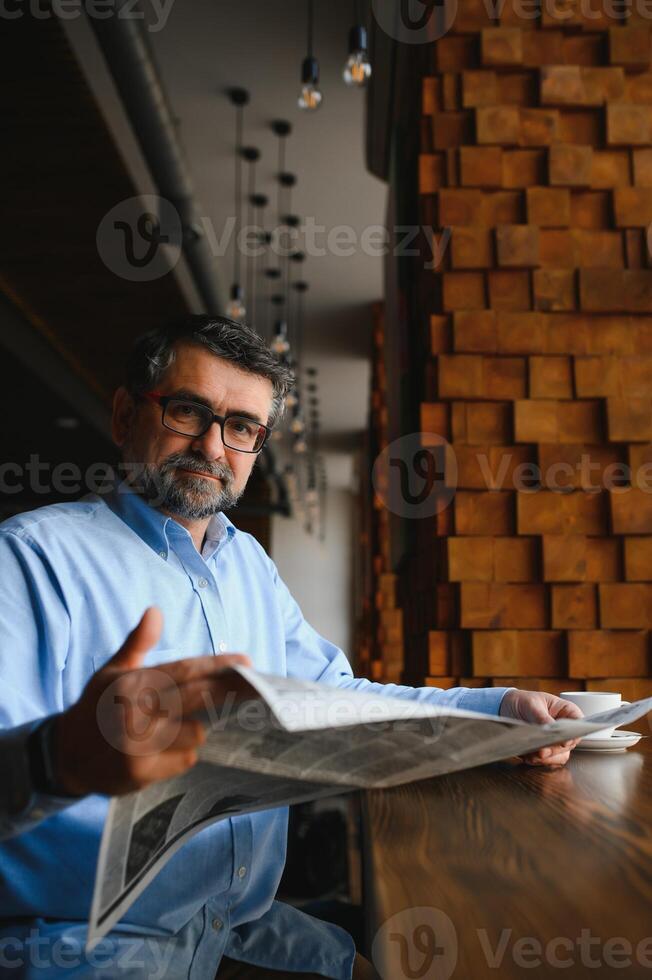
(183, 410)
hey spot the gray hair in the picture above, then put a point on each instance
(154, 352)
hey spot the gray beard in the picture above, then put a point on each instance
(190, 497)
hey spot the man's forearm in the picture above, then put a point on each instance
(21, 806)
(486, 700)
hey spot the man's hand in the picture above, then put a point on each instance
(132, 724)
(539, 708)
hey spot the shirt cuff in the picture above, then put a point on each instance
(484, 699)
(21, 807)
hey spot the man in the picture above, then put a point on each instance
(199, 401)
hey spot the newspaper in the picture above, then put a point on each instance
(290, 741)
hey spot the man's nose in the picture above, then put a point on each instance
(211, 444)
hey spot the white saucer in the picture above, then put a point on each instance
(617, 742)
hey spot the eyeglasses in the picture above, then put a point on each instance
(193, 419)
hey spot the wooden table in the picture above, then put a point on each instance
(503, 859)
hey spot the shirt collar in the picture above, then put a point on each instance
(158, 530)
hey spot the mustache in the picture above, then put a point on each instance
(180, 460)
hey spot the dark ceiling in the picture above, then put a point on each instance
(61, 173)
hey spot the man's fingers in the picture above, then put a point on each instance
(174, 763)
(568, 709)
(550, 756)
(191, 735)
(206, 694)
(141, 639)
(192, 668)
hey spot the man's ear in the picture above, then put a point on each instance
(124, 409)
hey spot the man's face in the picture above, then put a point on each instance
(186, 476)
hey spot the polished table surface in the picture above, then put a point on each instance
(510, 871)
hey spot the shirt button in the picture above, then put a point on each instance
(163, 554)
(202, 583)
(217, 924)
(222, 647)
(242, 871)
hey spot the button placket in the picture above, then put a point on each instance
(242, 849)
(216, 614)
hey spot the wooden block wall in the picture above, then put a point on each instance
(537, 161)
(379, 628)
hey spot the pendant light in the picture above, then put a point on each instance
(358, 67)
(301, 288)
(258, 202)
(280, 343)
(300, 446)
(310, 98)
(251, 156)
(271, 274)
(236, 309)
(296, 258)
(297, 425)
(286, 181)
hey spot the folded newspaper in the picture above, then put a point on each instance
(290, 741)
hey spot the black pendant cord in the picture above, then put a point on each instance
(286, 271)
(238, 190)
(358, 12)
(279, 194)
(300, 316)
(259, 222)
(281, 156)
(311, 27)
(288, 303)
(249, 292)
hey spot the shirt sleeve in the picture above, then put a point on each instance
(311, 657)
(34, 636)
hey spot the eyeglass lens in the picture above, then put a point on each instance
(191, 419)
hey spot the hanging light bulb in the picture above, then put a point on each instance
(358, 67)
(310, 98)
(280, 342)
(236, 308)
(297, 424)
(300, 445)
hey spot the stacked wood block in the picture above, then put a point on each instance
(536, 169)
(379, 632)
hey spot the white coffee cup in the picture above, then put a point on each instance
(594, 702)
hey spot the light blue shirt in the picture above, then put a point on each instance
(76, 579)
